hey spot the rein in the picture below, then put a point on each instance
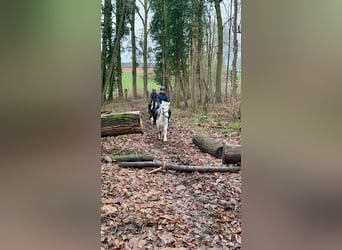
(163, 113)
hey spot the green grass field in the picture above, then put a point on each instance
(127, 83)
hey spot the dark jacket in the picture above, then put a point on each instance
(162, 97)
(154, 96)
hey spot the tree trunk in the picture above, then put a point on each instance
(134, 52)
(229, 39)
(119, 72)
(133, 158)
(121, 124)
(231, 154)
(193, 67)
(235, 50)
(208, 145)
(219, 51)
(116, 48)
(106, 39)
(200, 38)
(183, 168)
(166, 71)
(185, 84)
(145, 49)
(210, 49)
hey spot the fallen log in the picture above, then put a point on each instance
(231, 154)
(183, 168)
(208, 145)
(132, 158)
(121, 124)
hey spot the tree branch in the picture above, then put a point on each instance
(182, 168)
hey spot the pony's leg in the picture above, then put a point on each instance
(155, 118)
(159, 131)
(165, 131)
(149, 109)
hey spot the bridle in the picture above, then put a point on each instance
(164, 112)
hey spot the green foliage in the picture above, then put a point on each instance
(235, 125)
(229, 132)
(170, 29)
(231, 128)
(201, 118)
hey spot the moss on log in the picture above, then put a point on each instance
(133, 158)
(121, 124)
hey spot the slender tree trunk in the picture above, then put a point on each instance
(111, 87)
(235, 50)
(178, 66)
(146, 9)
(229, 40)
(177, 79)
(134, 52)
(193, 67)
(219, 51)
(116, 48)
(106, 40)
(202, 82)
(185, 83)
(116, 78)
(209, 53)
(164, 54)
(211, 39)
(119, 73)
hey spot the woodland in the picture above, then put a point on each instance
(183, 193)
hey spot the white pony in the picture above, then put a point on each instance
(163, 119)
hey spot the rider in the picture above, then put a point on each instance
(162, 96)
(153, 100)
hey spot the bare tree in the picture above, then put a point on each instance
(235, 50)
(219, 50)
(144, 20)
(134, 49)
(116, 50)
(229, 40)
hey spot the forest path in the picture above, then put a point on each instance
(167, 208)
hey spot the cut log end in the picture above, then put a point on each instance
(231, 154)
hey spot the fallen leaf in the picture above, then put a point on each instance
(166, 238)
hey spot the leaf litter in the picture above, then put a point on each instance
(168, 209)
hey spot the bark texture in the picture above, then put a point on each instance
(121, 124)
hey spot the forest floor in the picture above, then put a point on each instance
(169, 209)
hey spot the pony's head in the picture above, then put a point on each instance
(164, 109)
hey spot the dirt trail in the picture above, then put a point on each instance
(167, 208)
(178, 148)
